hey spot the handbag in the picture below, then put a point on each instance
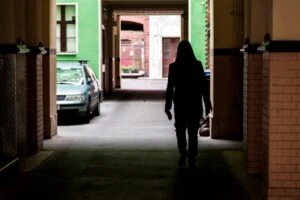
(204, 127)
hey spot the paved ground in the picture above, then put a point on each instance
(143, 83)
(128, 152)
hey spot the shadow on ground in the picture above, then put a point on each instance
(127, 94)
(122, 175)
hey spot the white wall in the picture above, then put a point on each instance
(160, 26)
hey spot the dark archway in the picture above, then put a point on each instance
(133, 26)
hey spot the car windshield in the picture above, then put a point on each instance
(71, 76)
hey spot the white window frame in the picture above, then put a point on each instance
(76, 28)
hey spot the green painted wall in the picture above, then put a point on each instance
(198, 29)
(88, 33)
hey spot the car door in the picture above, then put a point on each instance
(93, 87)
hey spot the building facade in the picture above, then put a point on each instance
(255, 93)
(78, 32)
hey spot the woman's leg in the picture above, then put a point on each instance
(193, 126)
(192, 141)
(180, 129)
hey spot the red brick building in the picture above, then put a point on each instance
(134, 49)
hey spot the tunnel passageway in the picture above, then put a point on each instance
(129, 152)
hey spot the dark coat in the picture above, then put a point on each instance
(186, 83)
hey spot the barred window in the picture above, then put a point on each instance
(66, 29)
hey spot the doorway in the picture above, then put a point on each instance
(169, 53)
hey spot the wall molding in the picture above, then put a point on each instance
(226, 51)
(8, 49)
(281, 46)
(251, 48)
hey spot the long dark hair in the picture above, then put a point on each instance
(185, 53)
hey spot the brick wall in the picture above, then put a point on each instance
(50, 118)
(281, 125)
(227, 122)
(40, 105)
(147, 41)
(252, 115)
(8, 106)
(35, 103)
(133, 36)
(21, 97)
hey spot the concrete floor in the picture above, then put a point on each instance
(129, 152)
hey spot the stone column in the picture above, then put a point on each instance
(49, 69)
(185, 26)
(147, 45)
(13, 135)
(116, 41)
(252, 91)
(7, 22)
(110, 49)
(8, 105)
(252, 111)
(34, 35)
(281, 102)
(21, 98)
(35, 102)
(8, 133)
(227, 69)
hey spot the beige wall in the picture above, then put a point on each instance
(21, 19)
(256, 20)
(286, 26)
(7, 21)
(281, 128)
(223, 24)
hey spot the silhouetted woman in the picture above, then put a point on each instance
(185, 88)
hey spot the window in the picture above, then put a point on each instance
(126, 41)
(166, 47)
(70, 76)
(66, 29)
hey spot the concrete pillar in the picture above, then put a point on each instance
(252, 111)
(281, 101)
(49, 69)
(7, 21)
(21, 79)
(185, 26)
(8, 112)
(109, 47)
(27, 21)
(21, 97)
(116, 53)
(34, 34)
(13, 123)
(147, 45)
(255, 28)
(227, 69)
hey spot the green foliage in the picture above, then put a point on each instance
(125, 70)
(129, 69)
(134, 70)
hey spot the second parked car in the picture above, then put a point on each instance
(77, 90)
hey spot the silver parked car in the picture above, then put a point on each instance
(77, 90)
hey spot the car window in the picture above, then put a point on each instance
(88, 74)
(72, 76)
(92, 73)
